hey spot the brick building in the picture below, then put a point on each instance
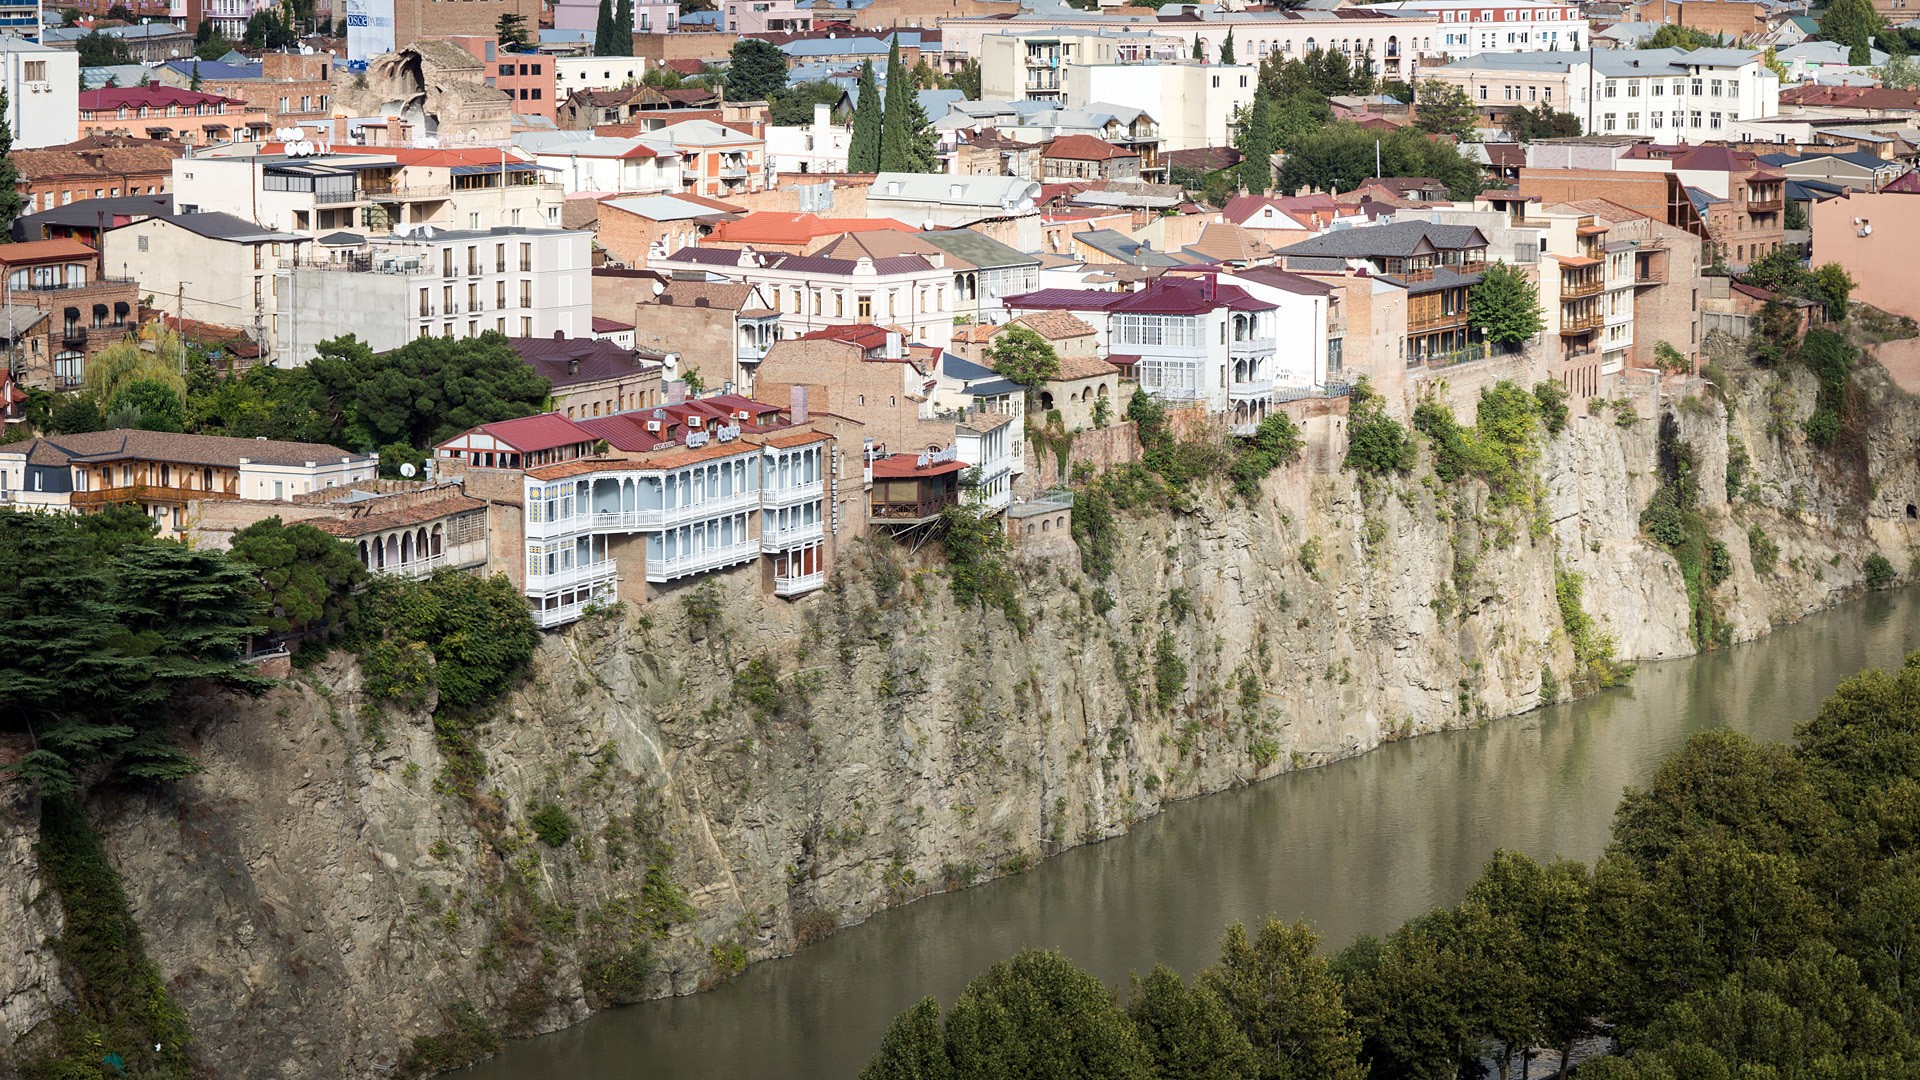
(414, 20)
(99, 167)
(163, 113)
(1083, 157)
(86, 310)
(528, 78)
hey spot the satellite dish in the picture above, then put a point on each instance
(407, 470)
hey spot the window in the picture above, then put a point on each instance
(1607, 122)
(143, 240)
(1633, 121)
(526, 257)
(1713, 121)
(526, 326)
(1656, 120)
(34, 70)
(1695, 119)
(1656, 89)
(500, 294)
(1533, 93)
(426, 307)
(1733, 87)
(1633, 88)
(1715, 87)
(526, 293)
(1483, 93)
(863, 306)
(500, 259)
(1697, 87)
(839, 305)
(1608, 88)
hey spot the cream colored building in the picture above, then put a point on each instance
(212, 268)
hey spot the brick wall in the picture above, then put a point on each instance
(849, 196)
(702, 336)
(627, 237)
(682, 45)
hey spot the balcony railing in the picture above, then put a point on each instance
(791, 536)
(1425, 273)
(90, 283)
(1577, 289)
(1437, 322)
(795, 584)
(795, 493)
(1250, 388)
(145, 493)
(675, 566)
(1649, 276)
(1251, 346)
(572, 578)
(549, 617)
(1773, 205)
(1579, 324)
(74, 338)
(918, 510)
(405, 192)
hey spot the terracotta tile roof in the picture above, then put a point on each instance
(34, 251)
(83, 159)
(1055, 325)
(419, 513)
(788, 439)
(907, 466)
(571, 361)
(1227, 242)
(222, 450)
(1084, 148)
(609, 326)
(769, 227)
(1075, 368)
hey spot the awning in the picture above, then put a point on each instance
(485, 170)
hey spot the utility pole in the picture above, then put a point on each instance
(180, 323)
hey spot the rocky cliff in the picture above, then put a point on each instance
(682, 787)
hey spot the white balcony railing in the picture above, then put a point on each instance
(791, 536)
(626, 521)
(795, 584)
(460, 555)
(571, 578)
(546, 618)
(797, 493)
(697, 562)
(1252, 347)
(1250, 388)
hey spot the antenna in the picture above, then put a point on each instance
(407, 470)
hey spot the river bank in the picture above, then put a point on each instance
(739, 779)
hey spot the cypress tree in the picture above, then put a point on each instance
(1199, 50)
(1226, 48)
(623, 27)
(863, 150)
(605, 31)
(10, 201)
(895, 154)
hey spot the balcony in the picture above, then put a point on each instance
(1574, 290)
(548, 617)
(795, 584)
(1773, 204)
(1259, 346)
(1650, 275)
(572, 578)
(148, 493)
(670, 567)
(405, 192)
(1425, 273)
(902, 513)
(1443, 321)
(93, 283)
(73, 337)
(1579, 324)
(1251, 388)
(733, 172)
(791, 536)
(794, 493)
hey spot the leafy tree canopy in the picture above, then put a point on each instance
(1024, 356)
(1505, 306)
(756, 71)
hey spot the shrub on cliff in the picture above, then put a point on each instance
(1377, 444)
(468, 637)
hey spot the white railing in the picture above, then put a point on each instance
(668, 568)
(573, 577)
(791, 536)
(1245, 346)
(1250, 388)
(546, 618)
(795, 584)
(626, 521)
(787, 496)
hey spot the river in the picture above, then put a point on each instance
(1355, 847)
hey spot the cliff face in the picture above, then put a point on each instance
(742, 775)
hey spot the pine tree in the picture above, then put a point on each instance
(1226, 48)
(863, 150)
(1853, 23)
(605, 32)
(894, 151)
(10, 201)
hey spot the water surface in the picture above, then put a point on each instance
(1355, 847)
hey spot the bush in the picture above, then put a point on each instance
(1169, 670)
(1879, 571)
(1763, 552)
(553, 825)
(468, 1037)
(1551, 399)
(618, 976)
(1595, 667)
(1719, 563)
(1822, 428)
(1377, 444)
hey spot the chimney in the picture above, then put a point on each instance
(573, 366)
(559, 335)
(797, 404)
(676, 392)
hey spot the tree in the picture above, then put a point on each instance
(794, 106)
(10, 198)
(1675, 36)
(427, 390)
(511, 30)
(1199, 48)
(1341, 155)
(1024, 357)
(757, 70)
(1187, 1031)
(1226, 47)
(1376, 443)
(149, 405)
(1853, 23)
(913, 1047)
(1505, 307)
(1831, 285)
(1037, 1016)
(304, 576)
(967, 79)
(1541, 122)
(118, 366)
(863, 148)
(606, 33)
(268, 29)
(1441, 108)
(623, 25)
(907, 142)
(1899, 73)
(1278, 992)
(102, 50)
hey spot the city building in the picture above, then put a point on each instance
(92, 169)
(573, 74)
(86, 310)
(530, 79)
(43, 91)
(1659, 93)
(21, 19)
(520, 282)
(1871, 235)
(819, 147)
(1436, 265)
(586, 164)
(923, 200)
(592, 377)
(1475, 27)
(1031, 65)
(908, 293)
(167, 475)
(166, 113)
(1083, 157)
(1191, 104)
(212, 268)
(712, 333)
(751, 17)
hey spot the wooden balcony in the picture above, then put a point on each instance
(145, 493)
(1573, 290)
(1579, 324)
(1430, 323)
(906, 512)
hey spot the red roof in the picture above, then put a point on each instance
(865, 336)
(1084, 148)
(45, 251)
(609, 326)
(771, 227)
(532, 434)
(151, 95)
(906, 466)
(1187, 296)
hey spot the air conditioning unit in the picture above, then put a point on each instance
(743, 415)
(653, 425)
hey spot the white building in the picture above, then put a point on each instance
(572, 74)
(819, 147)
(1670, 95)
(1472, 27)
(216, 268)
(1193, 104)
(43, 93)
(910, 293)
(943, 201)
(587, 165)
(514, 281)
